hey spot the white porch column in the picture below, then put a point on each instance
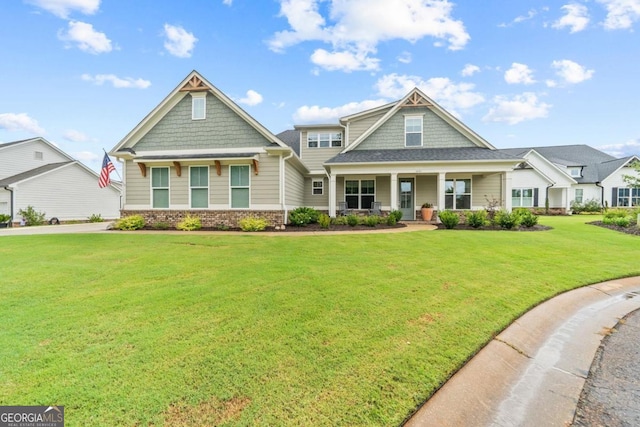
(506, 191)
(440, 191)
(332, 195)
(394, 191)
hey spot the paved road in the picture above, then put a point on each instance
(611, 395)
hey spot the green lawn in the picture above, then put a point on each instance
(138, 329)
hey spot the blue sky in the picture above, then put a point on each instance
(83, 73)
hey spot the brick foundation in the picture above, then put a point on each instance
(210, 219)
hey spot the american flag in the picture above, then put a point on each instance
(107, 168)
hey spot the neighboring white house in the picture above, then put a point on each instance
(568, 173)
(33, 172)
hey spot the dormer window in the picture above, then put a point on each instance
(324, 140)
(575, 172)
(198, 105)
(413, 131)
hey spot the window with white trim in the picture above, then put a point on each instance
(324, 140)
(522, 197)
(457, 194)
(199, 186)
(160, 187)
(628, 196)
(578, 194)
(317, 187)
(413, 131)
(239, 186)
(575, 172)
(360, 194)
(198, 106)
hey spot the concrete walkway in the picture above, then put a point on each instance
(532, 374)
(102, 226)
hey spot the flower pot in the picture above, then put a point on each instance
(427, 214)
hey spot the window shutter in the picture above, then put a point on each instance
(535, 197)
(614, 196)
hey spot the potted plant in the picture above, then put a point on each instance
(4, 220)
(427, 211)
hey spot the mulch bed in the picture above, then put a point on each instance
(294, 229)
(632, 229)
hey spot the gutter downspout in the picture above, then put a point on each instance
(546, 200)
(599, 184)
(283, 186)
(9, 189)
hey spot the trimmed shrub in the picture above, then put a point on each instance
(341, 220)
(303, 216)
(160, 226)
(372, 220)
(477, 219)
(4, 217)
(130, 223)
(189, 223)
(253, 224)
(527, 219)
(31, 216)
(96, 218)
(391, 220)
(352, 220)
(622, 222)
(324, 220)
(507, 220)
(449, 219)
(397, 214)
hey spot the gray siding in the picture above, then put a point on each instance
(485, 186)
(137, 188)
(178, 186)
(222, 128)
(313, 158)
(426, 189)
(265, 185)
(436, 133)
(313, 200)
(383, 190)
(358, 127)
(294, 186)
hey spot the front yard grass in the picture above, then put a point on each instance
(354, 329)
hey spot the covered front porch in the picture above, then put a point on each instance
(408, 191)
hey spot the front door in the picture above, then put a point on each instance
(407, 206)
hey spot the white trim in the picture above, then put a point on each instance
(331, 140)
(454, 194)
(359, 179)
(408, 117)
(522, 189)
(207, 187)
(168, 188)
(321, 181)
(231, 188)
(197, 96)
(239, 150)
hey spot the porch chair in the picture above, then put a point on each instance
(343, 209)
(376, 208)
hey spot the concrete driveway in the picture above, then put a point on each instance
(89, 227)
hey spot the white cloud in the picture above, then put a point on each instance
(344, 61)
(179, 41)
(518, 109)
(317, 114)
(252, 98)
(405, 57)
(20, 122)
(227, 2)
(452, 96)
(571, 72)
(86, 38)
(62, 8)
(117, 82)
(519, 73)
(624, 149)
(518, 19)
(470, 70)
(87, 156)
(75, 136)
(357, 26)
(621, 14)
(576, 18)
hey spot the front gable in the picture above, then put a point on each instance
(436, 133)
(222, 128)
(549, 171)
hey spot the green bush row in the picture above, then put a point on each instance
(481, 218)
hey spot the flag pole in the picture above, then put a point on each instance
(116, 170)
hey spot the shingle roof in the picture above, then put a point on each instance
(7, 144)
(291, 137)
(596, 165)
(421, 155)
(31, 173)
